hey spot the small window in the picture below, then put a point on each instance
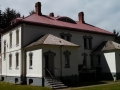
(30, 81)
(62, 35)
(10, 61)
(17, 37)
(85, 43)
(10, 39)
(66, 36)
(91, 60)
(5, 49)
(30, 60)
(16, 80)
(2, 78)
(17, 60)
(84, 59)
(99, 59)
(67, 58)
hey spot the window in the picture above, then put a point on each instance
(5, 49)
(17, 60)
(67, 58)
(84, 59)
(30, 60)
(10, 61)
(66, 36)
(87, 42)
(99, 59)
(91, 59)
(90, 42)
(10, 39)
(17, 37)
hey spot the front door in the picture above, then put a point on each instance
(49, 64)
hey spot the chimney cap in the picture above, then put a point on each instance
(37, 3)
(51, 14)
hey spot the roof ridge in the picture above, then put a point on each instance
(45, 37)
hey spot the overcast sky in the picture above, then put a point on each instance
(101, 13)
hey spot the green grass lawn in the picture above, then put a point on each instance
(101, 87)
(9, 86)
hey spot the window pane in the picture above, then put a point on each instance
(85, 43)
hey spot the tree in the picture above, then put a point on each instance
(31, 12)
(117, 36)
(7, 16)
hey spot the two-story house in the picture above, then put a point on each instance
(40, 46)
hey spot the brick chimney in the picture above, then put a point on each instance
(81, 17)
(38, 8)
(51, 14)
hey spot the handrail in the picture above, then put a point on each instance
(60, 72)
(48, 72)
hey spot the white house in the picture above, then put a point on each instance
(39, 48)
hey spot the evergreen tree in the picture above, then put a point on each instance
(7, 16)
(31, 12)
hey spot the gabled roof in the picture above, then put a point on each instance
(108, 45)
(49, 21)
(50, 39)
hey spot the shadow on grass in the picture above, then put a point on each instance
(88, 83)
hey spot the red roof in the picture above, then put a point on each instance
(52, 21)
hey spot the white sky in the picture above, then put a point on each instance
(101, 13)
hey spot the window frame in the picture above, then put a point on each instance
(10, 61)
(17, 37)
(30, 60)
(67, 56)
(10, 42)
(17, 60)
(4, 49)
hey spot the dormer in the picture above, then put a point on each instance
(66, 19)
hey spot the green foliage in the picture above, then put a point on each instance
(31, 12)
(117, 36)
(7, 16)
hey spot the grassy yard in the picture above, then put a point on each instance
(102, 87)
(9, 86)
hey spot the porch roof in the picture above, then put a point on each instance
(108, 45)
(50, 39)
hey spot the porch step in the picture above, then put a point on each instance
(55, 83)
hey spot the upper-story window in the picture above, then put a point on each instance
(17, 37)
(87, 42)
(99, 59)
(30, 60)
(10, 39)
(84, 59)
(67, 58)
(10, 61)
(17, 60)
(5, 49)
(66, 36)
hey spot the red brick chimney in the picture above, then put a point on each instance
(51, 14)
(81, 17)
(38, 8)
